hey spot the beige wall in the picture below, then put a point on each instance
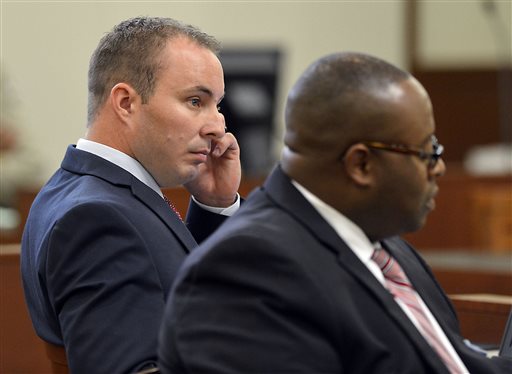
(465, 33)
(45, 46)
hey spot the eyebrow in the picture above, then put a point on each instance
(204, 90)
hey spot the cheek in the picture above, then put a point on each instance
(177, 124)
(156, 136)
(420, 206)
(423, 186)
(163, 113)
(407, 192)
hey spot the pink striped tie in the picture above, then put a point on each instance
(401, 288)
(171, 205)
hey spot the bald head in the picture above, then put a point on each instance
(337, 101)
(341, 105)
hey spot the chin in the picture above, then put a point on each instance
(413, 225)
(419, 224)
(189, 176)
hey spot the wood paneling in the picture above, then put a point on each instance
(471, 213)
(454, 281)
(482, 316)
(21, 350)
(467, 108)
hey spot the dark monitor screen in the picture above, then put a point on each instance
(251, 78)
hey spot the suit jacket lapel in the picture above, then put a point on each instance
(279, 188)
(281, 191)
(81, 162)
(161, 209)
(284, 194)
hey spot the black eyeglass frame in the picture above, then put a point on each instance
(432, 157)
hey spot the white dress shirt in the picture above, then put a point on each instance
(135, 168)
(359, 243)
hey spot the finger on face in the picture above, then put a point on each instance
(226, 143)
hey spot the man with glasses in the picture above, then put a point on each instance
(312, 276)
(432, 157)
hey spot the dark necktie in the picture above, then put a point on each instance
(401, 288)
(171, 205)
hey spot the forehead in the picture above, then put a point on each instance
(186, 64)
(410, 110)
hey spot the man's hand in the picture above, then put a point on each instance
(219, 178)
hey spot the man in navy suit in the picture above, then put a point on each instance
(292, 283)
(101, 246)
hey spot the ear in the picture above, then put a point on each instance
(358, 165)
(123, 99)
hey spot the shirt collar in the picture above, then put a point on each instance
(351, 234)
(120, 159)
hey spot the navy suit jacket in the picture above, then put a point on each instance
(275, 290)
(100, 251)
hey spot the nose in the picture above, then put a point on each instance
(439, 169)
(215, 125)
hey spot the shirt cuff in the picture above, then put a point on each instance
(228, 211)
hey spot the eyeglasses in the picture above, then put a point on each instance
(432, 157)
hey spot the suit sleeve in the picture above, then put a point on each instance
(104, 289)
(202, 223)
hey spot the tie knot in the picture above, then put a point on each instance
(389, 267)
(382, 258)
